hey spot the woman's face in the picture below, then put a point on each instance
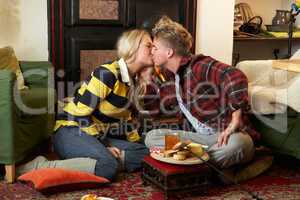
(143, 55)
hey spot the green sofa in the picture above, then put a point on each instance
(275, 101)
(26, 116)
(285, 141)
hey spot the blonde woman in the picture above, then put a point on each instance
(103, 99)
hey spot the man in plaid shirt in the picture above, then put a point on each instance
(212, 97)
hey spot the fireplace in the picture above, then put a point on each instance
(83, 33)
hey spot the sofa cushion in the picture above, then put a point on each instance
(241, 173)
(8, 60)
(272, 90)
(37, 97)
(38, 73)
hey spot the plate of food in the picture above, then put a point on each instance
(94, 197)
(182, 153)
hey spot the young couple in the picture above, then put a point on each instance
(212, 96)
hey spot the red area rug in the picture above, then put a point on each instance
(282, 181)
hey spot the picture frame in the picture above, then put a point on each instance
(85, 12)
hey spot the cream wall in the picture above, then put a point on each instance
(24, 26)
(264, 8)
(267, 8)
(214, 32)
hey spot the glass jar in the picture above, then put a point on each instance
(282, 17)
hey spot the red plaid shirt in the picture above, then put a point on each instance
(211, 91)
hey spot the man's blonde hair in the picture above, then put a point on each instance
(174, 34)
(129, 43)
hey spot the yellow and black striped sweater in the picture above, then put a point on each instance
(101, 100)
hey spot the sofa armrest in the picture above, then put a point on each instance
(257, 71)
(7, 81)
(38, 73)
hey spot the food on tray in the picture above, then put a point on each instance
(181, 145)
(195, 148)
(183, 150)
(89, 197)
(179, 157)
(94, 197)
(169, 153)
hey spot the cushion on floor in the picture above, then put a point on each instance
(51, 180)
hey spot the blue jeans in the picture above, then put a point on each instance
(71, 142)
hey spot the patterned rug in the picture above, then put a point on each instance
(282, 181)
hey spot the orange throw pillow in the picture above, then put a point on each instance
(51, 180)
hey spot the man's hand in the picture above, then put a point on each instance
(115, 151)
(223, 138)
(233, 125)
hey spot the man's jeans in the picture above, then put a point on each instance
(71, 142)
(239, 149)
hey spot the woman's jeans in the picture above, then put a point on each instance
(71, 142)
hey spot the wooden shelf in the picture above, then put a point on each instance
(237, 38)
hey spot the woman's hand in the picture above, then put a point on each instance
(115, 151)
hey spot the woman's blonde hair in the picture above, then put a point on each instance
(129, 43)
(174, 34)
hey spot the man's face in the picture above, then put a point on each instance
(160, 52)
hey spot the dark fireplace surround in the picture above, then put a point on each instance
(83, 33)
